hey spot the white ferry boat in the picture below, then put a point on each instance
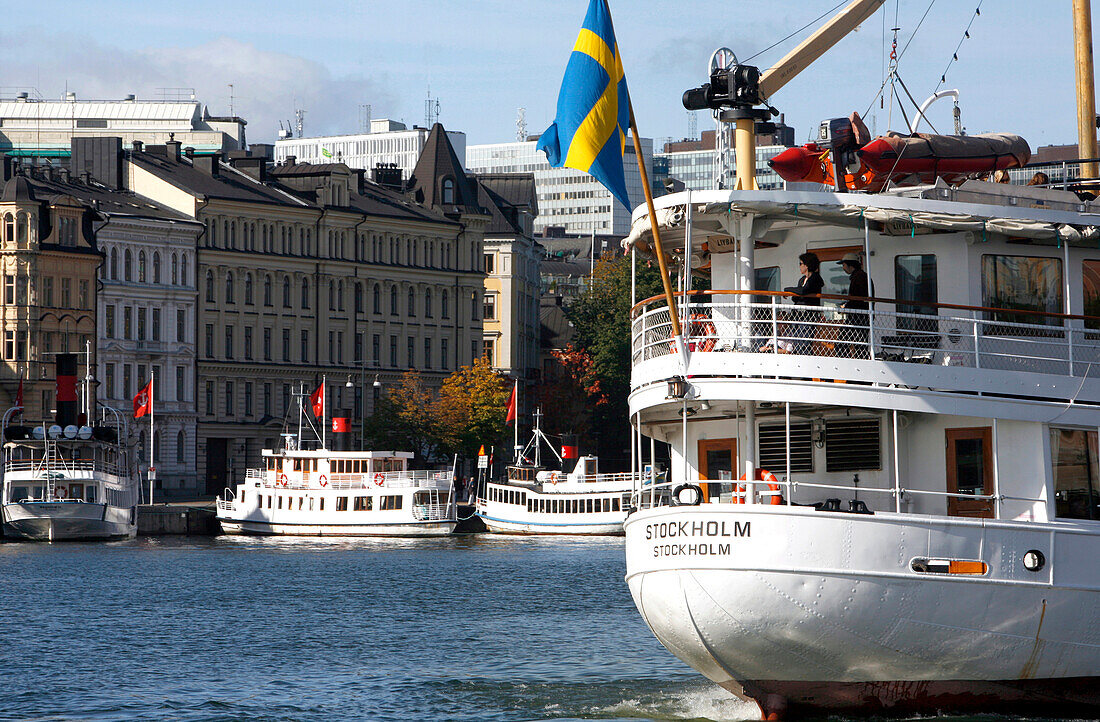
(917, 525)
(320, 492)
(534, 500)
(65, 481)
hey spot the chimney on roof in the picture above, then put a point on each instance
(65, 175)
(262, 150)
(86, 178)
(99, 157)
(388, 175)
(136, 146)
(255, 168)
(291, 159)
(207, 164)
(360, 180)
(172, 148)
(189, 152)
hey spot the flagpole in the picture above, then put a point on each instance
(515, 423)
(152, 406)
(324, 414)
(676, 334)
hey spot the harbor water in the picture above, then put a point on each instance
(196, 629)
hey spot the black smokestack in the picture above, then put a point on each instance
(66, 390)
(569, 448)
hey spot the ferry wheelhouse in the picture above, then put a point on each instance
(892, 509)
(339, 493)
(532, 499)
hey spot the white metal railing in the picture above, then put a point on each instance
(432, 512)
(69, 466)
(419, 479)
(991, 339)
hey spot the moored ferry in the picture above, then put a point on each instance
(879, 503)
(321, 492)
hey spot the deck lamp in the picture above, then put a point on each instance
(677, 387)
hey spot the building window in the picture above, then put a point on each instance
(427, 353)
(267, 344)
(208, 339)
(487, 351)
(267, 290)
(448, 191)
(286, 292)
(175, 270)
(230, 296)
(305, 293)
(181, 383)
(393, 300)
(109, 381)
(359, 298)
(210, 298)
(376, 344)
(1022, 283)
(127, 322)
(247, 398)
(305, 346)
(141, 267)
(209, 398)
(141, 324)
(393, 351)
(267, 400)
(229, 342)
(156, 267)
(181, 447)
(489, 263)
(66, 292)
(286, 345)
(9, 289)
(183, 270)
(181, 325)
(247, 343)
(128, 266)
(412, 302)
(109, 319)
(410, 349)
(229, 398)
(377, 299)
(489, 309)
(156, 324)
(248, 289)
(443, 360)
(112, 267)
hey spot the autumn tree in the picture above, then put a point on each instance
(601, 319)
(402, 419)
(470, 409)
(568, 394)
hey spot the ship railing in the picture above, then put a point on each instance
(659, 494)
(432, 512)
(419, 479)
(609, 478)
(224, 504)
(911, 332)
(79, 468)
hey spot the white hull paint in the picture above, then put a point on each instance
(535, 525)
(824, 611)
(60, 521)
(442, 528)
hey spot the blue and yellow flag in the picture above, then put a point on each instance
(589, 132)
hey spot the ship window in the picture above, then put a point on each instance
(341, 503)
(852, 445)
(301, 501)
(773, 448)
(279, 504)
(588, 506)
(1073, 453)
(89, 494)
(268, 501)
(390, 503)
(321, 504)
(767, 279)
(1022, 283)
(311, 503)
(615, 505)
(1090, 272)
(915, 280)
(362, 503)
(18, 493)
(242, 496)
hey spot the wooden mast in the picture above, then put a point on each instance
(1086, 93)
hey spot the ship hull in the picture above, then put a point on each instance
(816, 612)
(498, 525)
(255, 528)
(60, 521)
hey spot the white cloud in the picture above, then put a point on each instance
(267, 86)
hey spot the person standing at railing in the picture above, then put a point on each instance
(810, 284)
(857, 309)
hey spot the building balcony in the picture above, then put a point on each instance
(759, 335)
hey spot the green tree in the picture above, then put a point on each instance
(601, 319)
(470, 409)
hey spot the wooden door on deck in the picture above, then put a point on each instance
(716, 456)
(970, 471)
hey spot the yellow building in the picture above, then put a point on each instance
(48, 305)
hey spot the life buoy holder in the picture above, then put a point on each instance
(379, 478)
(60, 492)
(282, 480)
(553, 477)
(677, 500)
(322, 480)
(765, 476)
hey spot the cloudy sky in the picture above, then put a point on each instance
(485, 59)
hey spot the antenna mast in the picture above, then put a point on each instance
(521, 125)
(299, 121)
(431, 110)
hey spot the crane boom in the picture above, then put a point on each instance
(814, 46)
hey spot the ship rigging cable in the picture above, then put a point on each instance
(828, 12)
(955, 55)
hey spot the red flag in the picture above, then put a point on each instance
(511, 415)
(143, 402)
(317, 398)
(19, 394)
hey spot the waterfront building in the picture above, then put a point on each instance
(48, 259)
(310, 269)
(566, 197)
(33, 127)
(511, 261)
(694, 162)
(388, 143)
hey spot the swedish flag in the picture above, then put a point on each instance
(589, 132)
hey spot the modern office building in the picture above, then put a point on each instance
(695, 162)
(388, 143)
(33, 127)
(568, 198)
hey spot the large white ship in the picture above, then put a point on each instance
(886, 507)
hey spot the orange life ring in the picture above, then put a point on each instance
(282, 481)
(761, 475)
(379, 478)
(60, 492)
(322, 480)
(553, 477)
(702, 327)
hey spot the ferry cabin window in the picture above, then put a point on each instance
(242, 496)
(1073, 453)
(767, 279)
(311, 503)
(18, 493)
(915, 280)
(1090, 273)
(772, 443)
(362, 503)
(852, 445)
(321, 504)
(389, 503)
(301, 501)
(341, 503)
(1022, 282)
(280, 503)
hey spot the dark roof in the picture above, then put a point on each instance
(105, 200)
(506, 195)
(551, 267)
(229, 184)
(556, 331)
(437, 164)
(377, 200)
(517, 189)
(16, 189)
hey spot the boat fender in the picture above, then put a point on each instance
(681, 497)
(282, 480)
(765, 476)
(322, 480)
(379, 478)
